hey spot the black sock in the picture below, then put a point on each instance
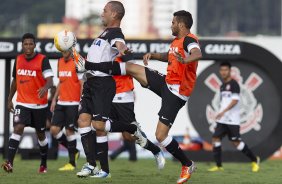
(72, 151)
(102, 155)
(130, 146)
(122, 127)
(177, 152)
(13, 147)
(249, 153)
(152, 147)
(88, 141)
(217, 156)
(63, 140)
(110, 67)
(43, 154)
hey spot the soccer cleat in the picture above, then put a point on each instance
(160, 160)
(140, 135)
(215, 169)
(78, 60)
(7, 166)
(42, 169)
(186, 173)
(255, 165)
(101, 174)
(87, 170)
(67, 167)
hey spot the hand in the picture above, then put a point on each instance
(11, 106)
(79, 61)
(146, 58)
(53, 104)
(219, 115)
(124, 52)
(179, 57)
(42, 91)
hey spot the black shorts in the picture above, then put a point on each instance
(233, 131)
(123, 112)
(65, 116)
(171, 103)
(97, 97)
(35, 118)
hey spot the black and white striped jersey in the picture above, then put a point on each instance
(103, 49)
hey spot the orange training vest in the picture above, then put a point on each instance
(69, 83)
(124, 83)
(178, 73)
(29, 78)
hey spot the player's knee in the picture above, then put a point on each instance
(160, 136)
(55, 130)
(101, 133)
(238, 144)
(128, 136)
(99, 125)
(41, 135)
(18, 129)
(83, 122)
(69, 131)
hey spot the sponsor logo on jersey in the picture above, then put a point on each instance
(23, 81)
(251, 112)
(65, 74)
(25, 72)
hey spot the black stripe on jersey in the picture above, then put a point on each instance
(127, 57)
(187, 41)
(110, 34)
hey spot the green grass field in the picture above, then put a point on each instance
(143, 172)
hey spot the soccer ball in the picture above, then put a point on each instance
(64, 40)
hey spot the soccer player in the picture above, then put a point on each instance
(122, 110)
(65, 111)
(32, 77)
(228, 120)
(174, 88)
(99, 88)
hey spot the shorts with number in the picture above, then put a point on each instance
(97, 97)
(35, 118)
(123, 112)
(65, 116)
(171, 103)
(233, 131)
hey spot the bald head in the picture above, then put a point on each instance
(118, 8)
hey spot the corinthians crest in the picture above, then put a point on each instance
(251, 112)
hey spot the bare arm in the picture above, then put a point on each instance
(122, 48)
(13, 90)
(195, 55)
(55, 97)
(42, 91)
(230, 106)
(157, 56)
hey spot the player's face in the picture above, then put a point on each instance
(66, 55)
(224, 72)
(106, 15)
(28, 46)
(174, 27)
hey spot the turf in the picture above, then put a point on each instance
(143, 172)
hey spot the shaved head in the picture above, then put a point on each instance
(118, 8)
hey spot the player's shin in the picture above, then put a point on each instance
(72, 149)
(120, 127)
(88, 140)
(102, 152)
(43, 146)
(217, 153)
(13, 146)
(173, 148)
(246, 150)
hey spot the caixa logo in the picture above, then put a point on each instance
(232, 49)
(251, 111)
(6, 47)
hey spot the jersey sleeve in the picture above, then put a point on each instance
(14, 70)
(190, 43)
(116, 36)
(235, 90)
(46, 68)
